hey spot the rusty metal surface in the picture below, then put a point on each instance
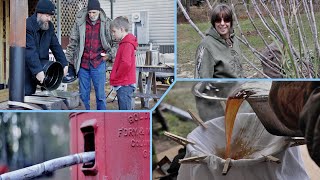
(49, 166)
(261, 107)
(18, 15)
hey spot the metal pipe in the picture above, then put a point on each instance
(111, 2)
(18, 15)
(49, 166)
(59, 20)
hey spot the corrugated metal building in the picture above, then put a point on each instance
(160, 18)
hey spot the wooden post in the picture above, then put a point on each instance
(18, 15)
(154, 85)
(7, 39)
(1, 44)
(140, 85)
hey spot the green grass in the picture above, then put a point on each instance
(189, 39)
(180, 96)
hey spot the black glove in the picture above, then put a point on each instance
(175, 165)
(310, 124)
(71, 76)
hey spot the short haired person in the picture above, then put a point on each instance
(218, 55)
(40, 37)
(296, 105)
(90, 47)
(123, 74)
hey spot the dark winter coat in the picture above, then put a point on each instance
(37, 51)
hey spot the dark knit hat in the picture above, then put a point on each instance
(45, 7)
(93, 5)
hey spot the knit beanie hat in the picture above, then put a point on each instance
(45, 7)
(93, 5)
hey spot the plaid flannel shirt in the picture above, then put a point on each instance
(93, 47)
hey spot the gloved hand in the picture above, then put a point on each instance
(310, 124)
(71, 74)
(297, 106)
(40, 77)
(287, 99)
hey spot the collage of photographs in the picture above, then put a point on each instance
(160, 90)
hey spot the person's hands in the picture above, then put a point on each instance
(65, 70)
(310, 124)
(297, 106)
(40, 76)
(287, 100)
(104, 56)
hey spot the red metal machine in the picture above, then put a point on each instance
(121, 142)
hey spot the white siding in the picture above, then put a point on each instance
(161, 16)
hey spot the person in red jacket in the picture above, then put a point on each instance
(123, 74)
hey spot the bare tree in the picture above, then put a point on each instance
(189, 20)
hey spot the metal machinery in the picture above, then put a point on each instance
(121, 142)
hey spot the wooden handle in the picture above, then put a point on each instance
(195, 159)
(272, 159)
(178, 139)
(226, 166)
(197, 119)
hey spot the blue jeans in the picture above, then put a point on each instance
(98, 77)
(124, 95)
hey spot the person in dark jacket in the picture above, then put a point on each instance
(218, 55)
(40, 37)
(123, 74)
